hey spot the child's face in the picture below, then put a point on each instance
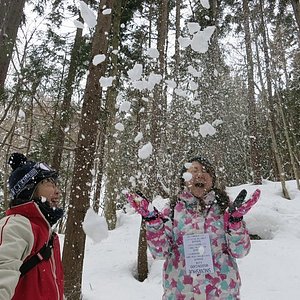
(48, 188)
(201, 182)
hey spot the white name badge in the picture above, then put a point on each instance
(197, 253)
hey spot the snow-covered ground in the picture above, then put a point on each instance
(269, 272)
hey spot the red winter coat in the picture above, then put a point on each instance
(23, 232)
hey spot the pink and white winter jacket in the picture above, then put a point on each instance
(165, 240)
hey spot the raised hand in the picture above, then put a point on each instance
(235, 212)
(142, 205)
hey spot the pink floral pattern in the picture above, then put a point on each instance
(165, 241)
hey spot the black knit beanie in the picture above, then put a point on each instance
(25, 176)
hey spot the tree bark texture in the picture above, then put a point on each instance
(271, 104)
(74, 246)
(296, 8)
(255, 161)
(159, 103)
(65, 113)
(110, 108)
(10, 19)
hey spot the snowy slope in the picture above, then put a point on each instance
(269, 272)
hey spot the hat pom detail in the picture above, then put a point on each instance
(16, 160)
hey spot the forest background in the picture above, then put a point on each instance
(119, 94)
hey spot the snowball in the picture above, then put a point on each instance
(98, 59)
(194, 72)
(180, 92)
(187, 176)
(193, 27)
(171, 83)
(153, 52)
(188, 165)
(217, 122)
(136, 72)
(87, 14)
(115, 52)
(200, 40)
(95, 226)
(154, 78)
(196, 102)
(208, 31)
(106, 81)
(145, 151)
(78, 24)
(184, 42)
(138, 137)
(197, 116)
(193, 85)
(125, 106)
(205, 3)
(207, 129)
(21, 114)
(106, 11)
(119, 126)
(160, 203)
(140, 85)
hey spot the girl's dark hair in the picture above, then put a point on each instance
(222, 199)
(205, 163)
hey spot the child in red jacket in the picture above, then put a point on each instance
(30, 262)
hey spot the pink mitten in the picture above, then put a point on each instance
(142, 206)
(235, 212)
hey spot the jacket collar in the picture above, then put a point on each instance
(192, 202)
(29, 210)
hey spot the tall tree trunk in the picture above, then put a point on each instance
(142, 261)
(296, 8)
(65, 113)
(99, 163)
(159, 104)
(73, 253)
(271, 105)
(288, 141)
(112, 158)
(174, 110)
(10, 19)
(255, 161)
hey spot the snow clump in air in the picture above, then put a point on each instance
(95, 226)
(187, 176)
(119, 126)
(207, 129)
(125, 106)
(205, 3)
(217, 122)
(145, 151)
(136, 72)
(184, 42)
(138, 137)
(106, 81)
(171, 83)
(98, 59)
(193, 27)
(87, 14)
(106, 11)
(78, 24)
(200, 39)
(153, 53)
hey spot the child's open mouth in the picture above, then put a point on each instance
(199, 184)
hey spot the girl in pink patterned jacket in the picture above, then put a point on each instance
(200, 237)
